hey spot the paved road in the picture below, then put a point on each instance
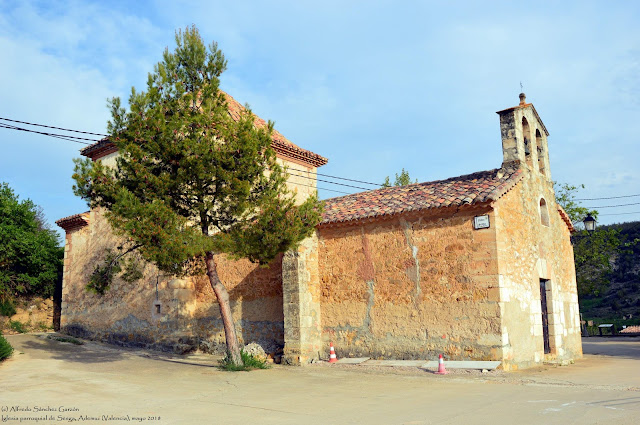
(93, 380)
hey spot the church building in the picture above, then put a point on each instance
(475, 267)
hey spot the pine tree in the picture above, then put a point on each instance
(191, 183)
(402, 179)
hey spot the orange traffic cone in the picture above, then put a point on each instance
(441, 369)
(332, 354)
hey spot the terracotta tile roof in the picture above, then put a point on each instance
(470, 189)
(566, 219)
(74, 221)
(281, 145)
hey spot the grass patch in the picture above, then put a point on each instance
(249, 363)
(68, 339)
(5, 348)
(44, 327)
(7, 308)
(17, 326)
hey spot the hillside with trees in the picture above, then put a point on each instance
(617, 299)
(607, 264)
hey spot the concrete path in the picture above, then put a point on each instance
(118, 386)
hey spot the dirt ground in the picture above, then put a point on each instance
(48, 381)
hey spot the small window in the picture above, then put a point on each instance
(544, 213)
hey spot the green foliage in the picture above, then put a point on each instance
(17, 326)
(114, 263)
(30, 255)
(402, 179)
(7, 308)
(248, 363)
(190, 181)
(593, 254)
(566, 197)
(43, 326)
(5, 348)
(68, 339)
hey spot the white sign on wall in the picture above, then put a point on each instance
(481, 222)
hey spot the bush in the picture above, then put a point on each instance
(5, 348)
(249, 363)
(17, 326)
(7, 308)
(68, 339)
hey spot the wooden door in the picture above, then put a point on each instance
(545, 315)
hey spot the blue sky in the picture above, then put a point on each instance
(374, 86)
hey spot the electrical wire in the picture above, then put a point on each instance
(82, 140)
(624, 213)
(74, 139)
(327, 181)
(334, 177)
(615, 206)
(56, 128)
(612, 197)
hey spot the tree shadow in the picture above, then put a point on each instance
(41, 346)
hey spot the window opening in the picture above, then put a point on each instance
(526, 134)
(544, 213)
(540, 149)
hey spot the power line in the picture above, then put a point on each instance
(74, 139)
(615, 206)
(335, 177)
(327, 181)
(323, 188)
(624, 213)
(612, 197)
(56, 128)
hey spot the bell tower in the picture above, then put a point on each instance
(524, 138)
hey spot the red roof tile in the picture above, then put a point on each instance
(280, 144)
(74, 221)
(470, 189)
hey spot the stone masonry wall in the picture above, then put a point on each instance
(189, 316)
(529, 251)
(411, 288)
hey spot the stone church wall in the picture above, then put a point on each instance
(188, 317)
(529, 251)
(411, 288)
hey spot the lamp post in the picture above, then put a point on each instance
(589, 223)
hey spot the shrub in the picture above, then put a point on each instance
(43, 326)
(68, 339)
(17, 326)
(249, 363)
(5, 348)
(7, 308)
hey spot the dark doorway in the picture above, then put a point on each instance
(57, 302)
(545, 315)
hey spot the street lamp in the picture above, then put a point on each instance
(589, 223)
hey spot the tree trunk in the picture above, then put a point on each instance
(233, 346)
